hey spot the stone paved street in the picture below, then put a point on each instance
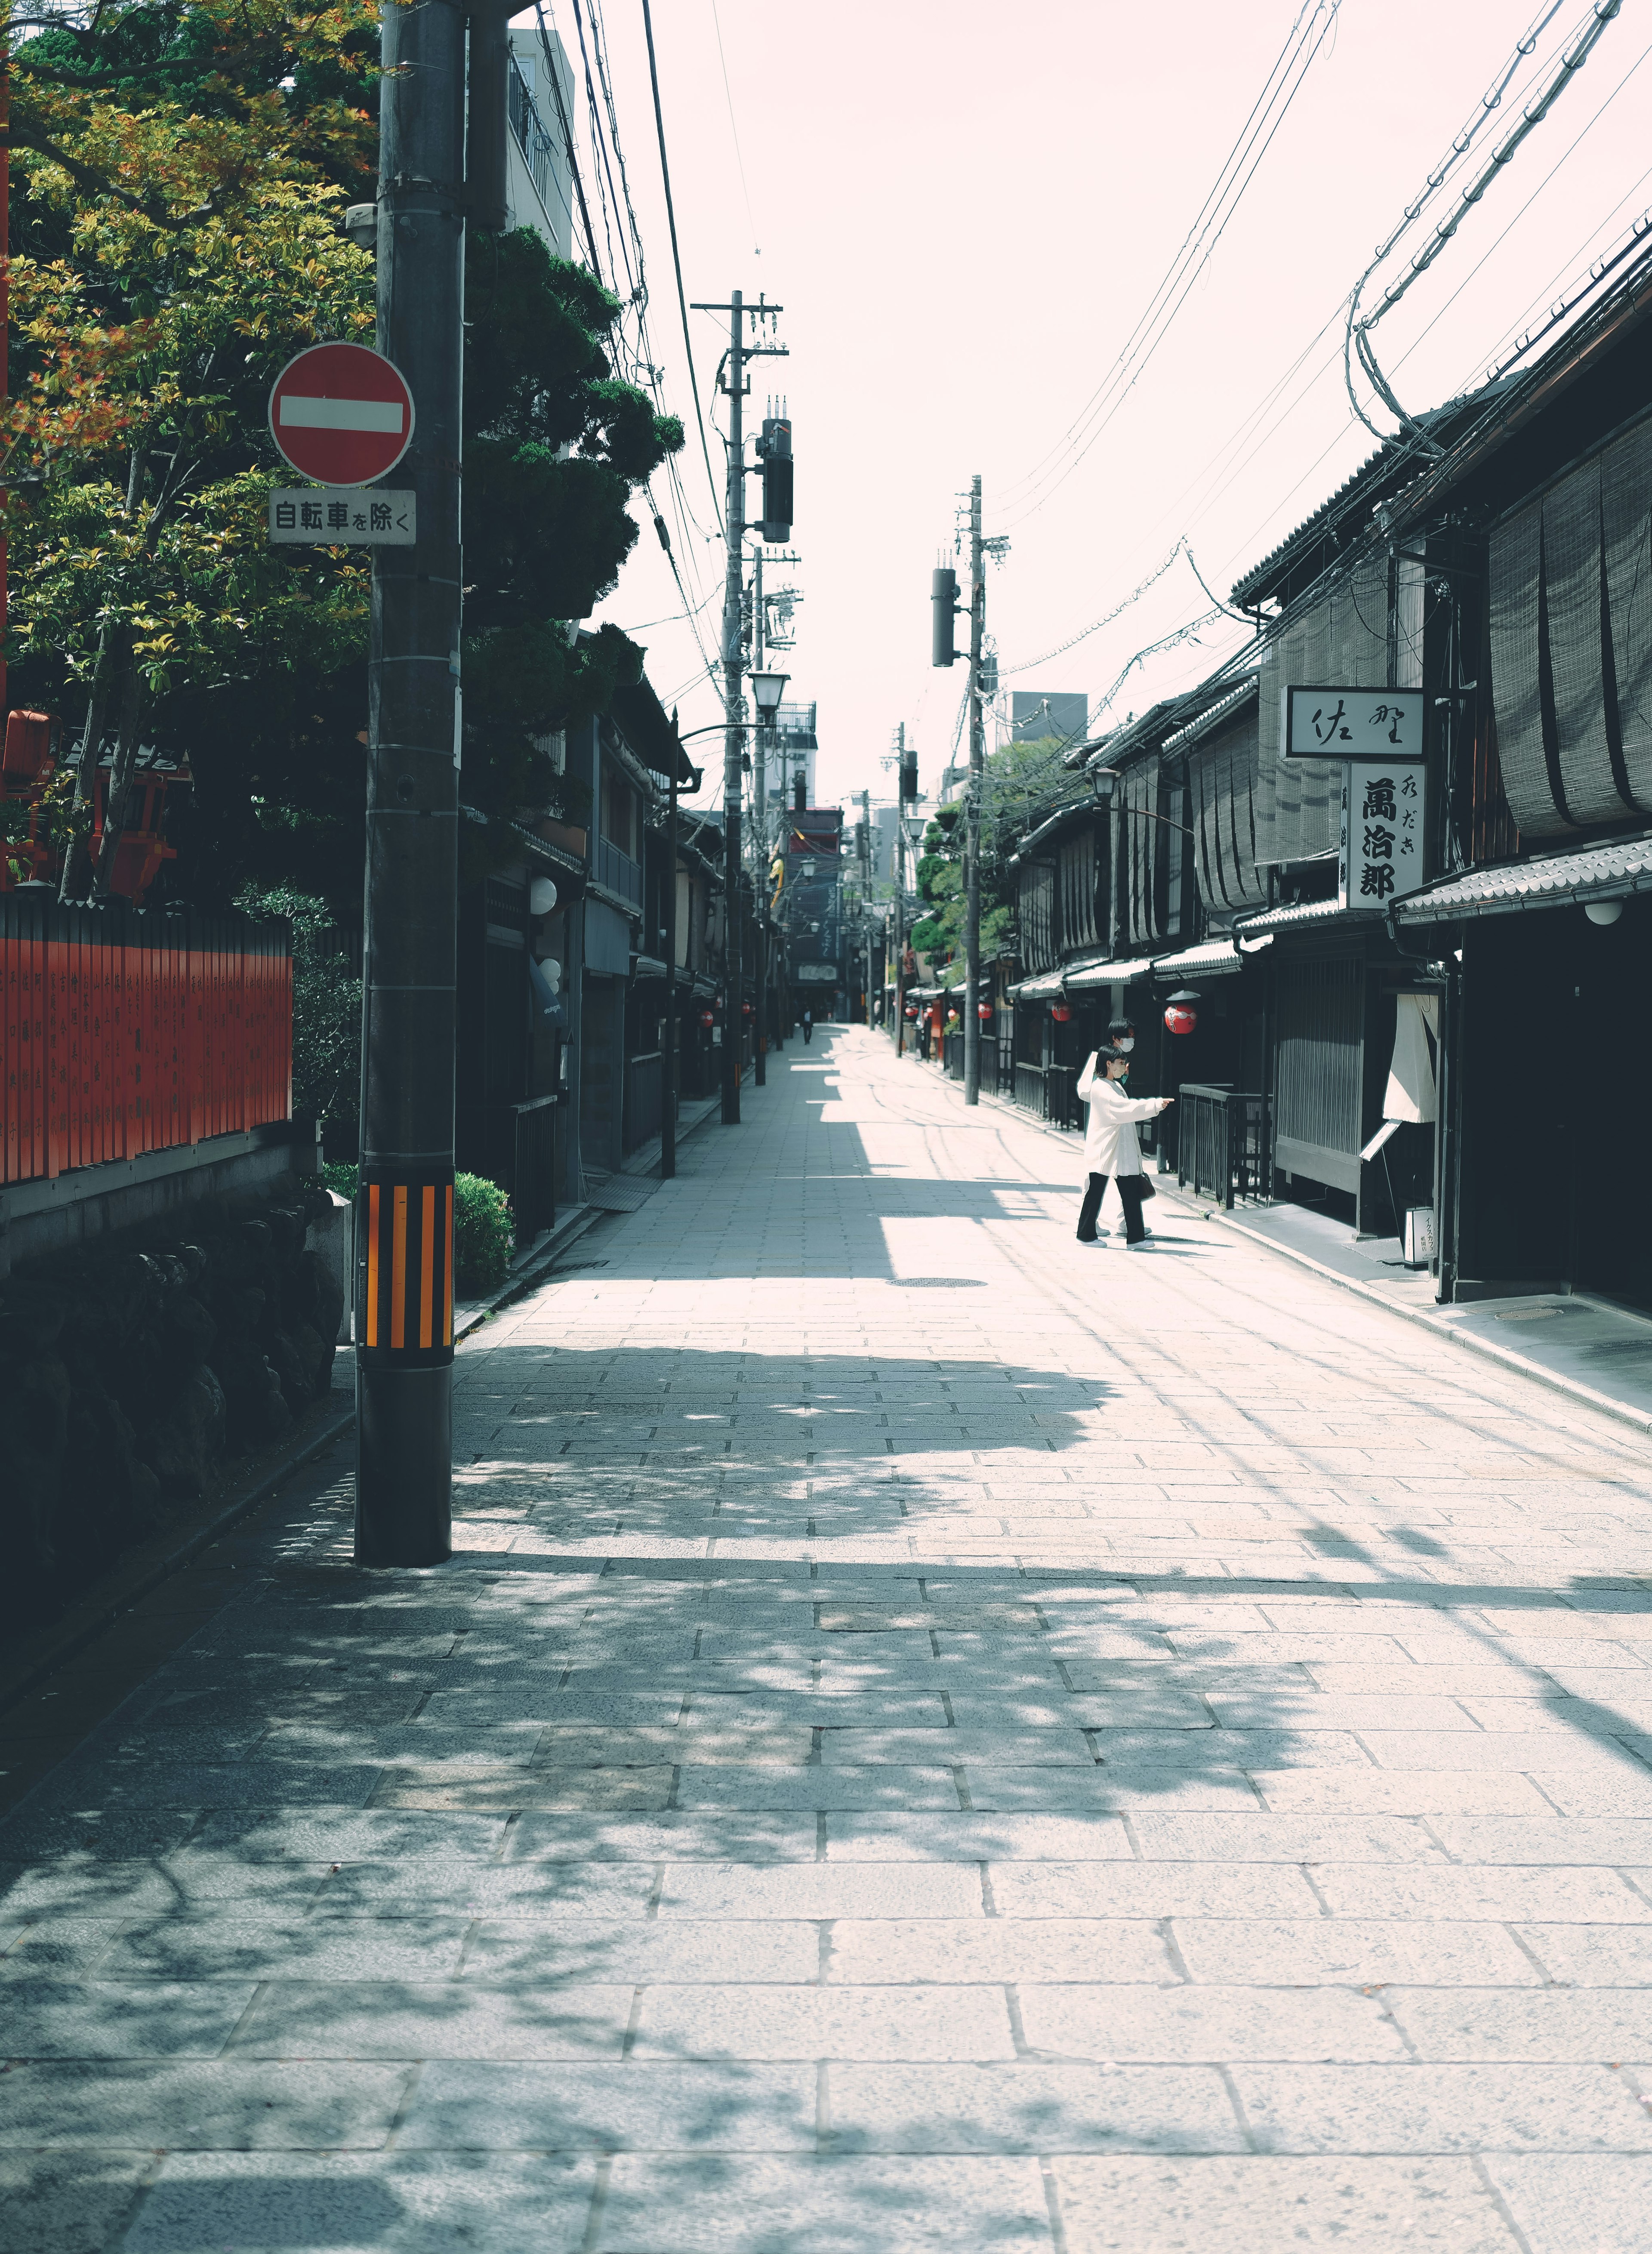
(932, 1738)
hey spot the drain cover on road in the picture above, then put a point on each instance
(620, 1192)
(939, 1284)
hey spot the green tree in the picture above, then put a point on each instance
(1021, 784)
(179, 174)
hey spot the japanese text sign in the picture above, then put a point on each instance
(1353, 724)
(1382, 837)
(343, 516)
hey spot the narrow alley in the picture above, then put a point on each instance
(931, 1738)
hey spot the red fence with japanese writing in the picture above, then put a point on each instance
(124, 1030)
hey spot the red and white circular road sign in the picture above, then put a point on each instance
(341, 414)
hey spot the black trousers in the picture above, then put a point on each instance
(808, 1033)
(1130, 1189)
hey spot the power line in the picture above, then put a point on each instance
(677, 262)
(1237, 173)
(734, 130)
(1357, 337)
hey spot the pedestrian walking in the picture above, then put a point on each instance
(809, 1027)
(1111, 1151)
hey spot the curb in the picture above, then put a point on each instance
(110, 1608)
(1572, 1389)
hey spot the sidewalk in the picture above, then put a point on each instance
(932, 1738)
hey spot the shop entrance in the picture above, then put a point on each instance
(1557, 1091)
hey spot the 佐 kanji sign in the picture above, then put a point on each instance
(341, 414)
(1353, 724)
(342, 516)
(1382, 837)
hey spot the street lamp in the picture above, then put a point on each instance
(1105, 782)
(768, 689)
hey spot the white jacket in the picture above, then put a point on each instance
(1110, 1140)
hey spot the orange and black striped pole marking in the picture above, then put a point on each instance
(404, 1265)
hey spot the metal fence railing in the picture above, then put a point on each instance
(126, 1030)
(1046, 1090)
(644, 1084)
(1221, 1143)
(534, 1165)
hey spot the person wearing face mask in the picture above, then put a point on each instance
(1111, 1151)
(1121, 1036)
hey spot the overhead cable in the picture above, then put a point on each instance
(677, 262)
(1357, 336)
(1268, 113)
(734, 130)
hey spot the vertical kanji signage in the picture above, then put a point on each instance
(1381, 835)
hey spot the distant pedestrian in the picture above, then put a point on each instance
(809, 1027)
(1111, 1151)
(1121, 1035)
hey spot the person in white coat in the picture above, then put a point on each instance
(1111, 1151)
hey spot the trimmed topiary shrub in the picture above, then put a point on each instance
(484, 1234)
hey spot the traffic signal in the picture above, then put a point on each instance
(860, 840)
(774, 452)
(989, 673)
(943, 601)
(908, 776)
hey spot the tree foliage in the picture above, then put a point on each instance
(178, 175)
(1021, 783)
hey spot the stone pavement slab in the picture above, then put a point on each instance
(1139, 1755)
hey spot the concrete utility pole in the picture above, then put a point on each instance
(866, 888)
(733, 743)
(972, 811)
(759, 826)
(900, 893)
(668, 1104)
(733, 665)
(404, 1233)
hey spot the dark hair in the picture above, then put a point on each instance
(1116, 1026)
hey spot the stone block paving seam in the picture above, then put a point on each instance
(930, 1738)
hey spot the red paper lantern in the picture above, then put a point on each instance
(912, 1009)
(746, 1010)
(1180, 1015)
(707, 1019)
(983, 1009)
(1061, 1011)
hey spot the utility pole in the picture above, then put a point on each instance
(404, 1229)
(900, 893)
(866, 889)
(668, 1103)
(733, 665)
(734, 525)
(972, 811)
(759, 826)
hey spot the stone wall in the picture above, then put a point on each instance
(130, 1372)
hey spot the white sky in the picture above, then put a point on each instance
(964, 210)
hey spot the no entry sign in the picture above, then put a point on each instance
(341, 414)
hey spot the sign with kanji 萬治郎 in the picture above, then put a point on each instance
(1353, 724)
(343, 516)
(1381, 838)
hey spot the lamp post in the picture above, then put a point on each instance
(767, 689)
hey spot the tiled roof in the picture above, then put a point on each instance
(1305, 912)
(1213, 958)
(1593, 873)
